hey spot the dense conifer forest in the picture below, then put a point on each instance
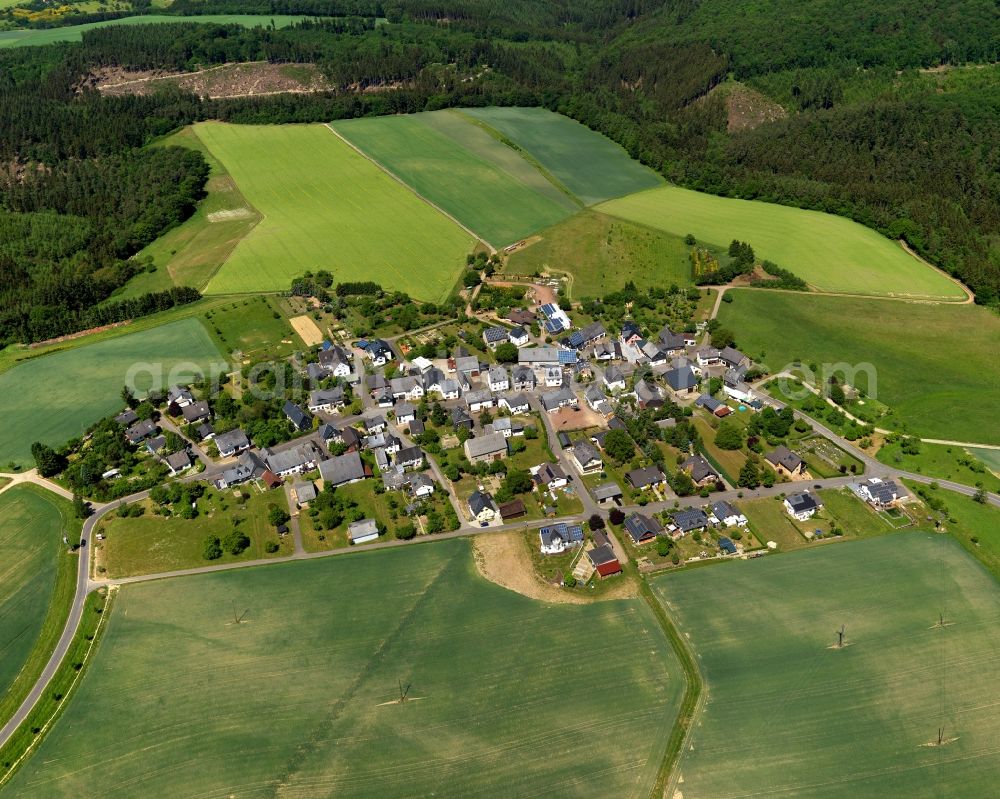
(866, 135)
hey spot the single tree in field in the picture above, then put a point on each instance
(277, 516)
(749, 475)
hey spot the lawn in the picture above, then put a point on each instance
(507, 696)
(189, 254)
(74, 33)
(789, 714)
(56, 397)
(602, 253)
(464, 170)
(254, 327)
(149, 544)
(588, 164)
(932, 362)
(828, 252)
(325, 206)
(943, 461)
(37, 578)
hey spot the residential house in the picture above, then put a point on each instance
(553, 376)
(802, 506)
(646, 477)
(155, 444)
(178, 462)
(607, 492)
(481, 508)
(557, 538)
(786, 463)
(394, 478)
(586, 458)
(416, 427)
(127, 418)
(206, 432)
(671, 343)
(375, 424)
(507, 427)
(642, 529)
(726, 546)
(379, 352)
(468, 365)
(733, 358)
(653, 353)
(421, 485)
(461, 418)
(140, 431)
(608, 351)
(450, 389)
(343, 469)
(486, 448)
(554, 400)
(555, 318)
(478, 400)
(586, 336)
(550, 476)
(538, 357)
(493, 336)
(518, 403)
(404, 412)
(734, 386)
(409, 388)
(303, 492)
(648, 394)
(498, 379)
(631, 334)
(196, 412)
(248, 467)
(523, 378)
(597, 401)
(518, 336)
(727, 515)
(688, 520)
(708, 356)
(297, 416)
(614, 379)
(232, 443)
(521, 317)
(381, 458)
(700, 471)
(351, 439)
(682, 379)
(294, 460)
(326, 399)
(410, 458)
(384, 440)
(179, 397)
(363, 532)
(335, 360)
(881, 493)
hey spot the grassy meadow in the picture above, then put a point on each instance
(255, 327)
(74, 33)
(788, 714)
(325, 206)
(36, 586)
(828, 252)
(460, 168)
(56, 397)
(934, 363)
(944, 461)
(601, 254)
(507, 696)
(589, 165)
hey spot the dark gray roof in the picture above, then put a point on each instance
(722, 510)
(646, 476)
(783, 456)
(409, 455)
(342, 469)
(485, 445)
(682, 378)
(802, 502)
(606, 491)
(178, 460)
(699, 468)
(479, 501)
(732, 356)
(584, 452)
(233, 440)
(195, 411)
(690, 519)
(297, 416)
(641, 528)
(495, 334)
(598, 556)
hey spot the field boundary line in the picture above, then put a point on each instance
(408, 187)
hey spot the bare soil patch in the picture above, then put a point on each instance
(573, 419)
(746, 108)
(307, 329)
(226, 80)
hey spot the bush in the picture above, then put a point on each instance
(617, 516)
(406, 532)
(211, 549)
(569, 580)
(271, 546)
(277, 516)
(236, 542)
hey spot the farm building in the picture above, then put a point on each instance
(363, 532)
(304, 492)
(603, 559)
(343, 470)
(512, 510)
(486, 448)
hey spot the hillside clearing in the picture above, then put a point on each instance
(828, 252)
(325, 206)
(501, 689)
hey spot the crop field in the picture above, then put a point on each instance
(325, 206)
(55, 397)
(933, 363)
(990, 457)
(189, 254)
(506, 696)
(790, 714)
(464, 170)
(589, 165)
(74, 33)
(828, 252)
(31, 527)
(602, 253)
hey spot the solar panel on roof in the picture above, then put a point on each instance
(553, 326)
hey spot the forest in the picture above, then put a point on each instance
(921, 165)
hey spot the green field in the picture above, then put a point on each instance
(602, 253)
(32, 523)
(787, 715)
(55, 397)
(588, 164)
(73, 33)
(828, 252)
(945, 462)
(990, 457)
(464, 170)
(932, 361)
(189, 254)
(253, 327)
(507, 696)
(327, 207)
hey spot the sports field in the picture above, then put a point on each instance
(589, 165)
(74, 33)
(506, 696)
(828, 252)
(789, 714)
(461, 168)
(603, 253)
(31, 528)
(932, 362)
(325, 206)
(55, 397)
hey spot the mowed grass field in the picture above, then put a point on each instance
(31, 528)
(787, 715)
(828, 252)
(935, 364)
(464, 170)
(507, 696)
(589, 165)
(603, 253)
(325, 206)
(74, 33)
(55, 397)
